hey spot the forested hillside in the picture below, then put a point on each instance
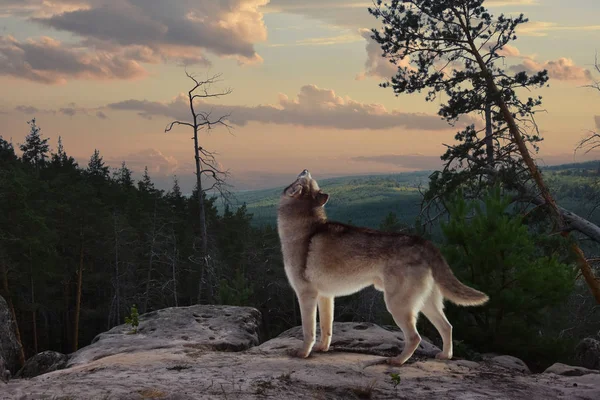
(80, 245)
(363, 200)
(367, 200)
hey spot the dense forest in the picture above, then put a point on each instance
(81, 245)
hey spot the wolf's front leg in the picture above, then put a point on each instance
(308, 312)
(326, 322)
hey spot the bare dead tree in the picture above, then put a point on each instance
(205, 160)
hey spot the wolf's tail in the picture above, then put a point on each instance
(453, 289)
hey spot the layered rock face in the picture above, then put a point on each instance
(214, 352)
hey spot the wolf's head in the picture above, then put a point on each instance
(304, 192)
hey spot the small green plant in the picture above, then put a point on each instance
(133, 319)
(395, 379)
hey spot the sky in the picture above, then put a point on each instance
(304, 78)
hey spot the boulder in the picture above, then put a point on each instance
(42, 363)
(9, 345)
(510, 362)
(587, 353)
(568, 370)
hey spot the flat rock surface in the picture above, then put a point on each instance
(363, 337)
(222, 328)
(176, 371)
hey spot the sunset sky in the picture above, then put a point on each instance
(108, 74)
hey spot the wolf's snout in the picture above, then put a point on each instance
(304, 174)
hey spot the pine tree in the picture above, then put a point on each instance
(454, 47)
(7, 152)
(35, 149)
(96, 166)
(123, 176)
(489, 248)
(146, 185)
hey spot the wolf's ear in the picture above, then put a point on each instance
(293, 190)
(322, 199)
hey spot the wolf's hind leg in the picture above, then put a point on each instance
(326, 322)
(433, 309)
(404, 299)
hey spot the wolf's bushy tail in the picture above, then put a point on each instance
(453, 289)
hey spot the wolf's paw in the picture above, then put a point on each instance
(299, 353)
(443, 356)
(321, 347)
(395, 361)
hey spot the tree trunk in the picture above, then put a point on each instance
(489, 142)
(11, 306)
(117, 279)
(78, 299)
(149, 277)
(174, 268)
(68, 331)
(201, 212)
(33, 312)
(586, 270)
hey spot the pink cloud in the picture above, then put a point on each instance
(312, 107)
(562, 69)
(376, 65)
(47, 60)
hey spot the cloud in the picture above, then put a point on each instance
(416, 161)
(181, 29)
(541, 28)
(510, 3)
(158, 163)
(341, 13)
(38, 8)
(175, 109)
(509, 51)
(27, 109)
(563, 69)
(377, 65)
(101, 115)
(329, 40)
(71, 110)
(312, 107)
(49, 61)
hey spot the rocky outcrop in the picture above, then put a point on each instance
(511, 363)
(587, 353)
(42, 363)
(209, 352)
(9, 345)
(569, 370)
(181, 329)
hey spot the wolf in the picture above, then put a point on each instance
(325, 259)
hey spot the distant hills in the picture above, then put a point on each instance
(367, 200)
